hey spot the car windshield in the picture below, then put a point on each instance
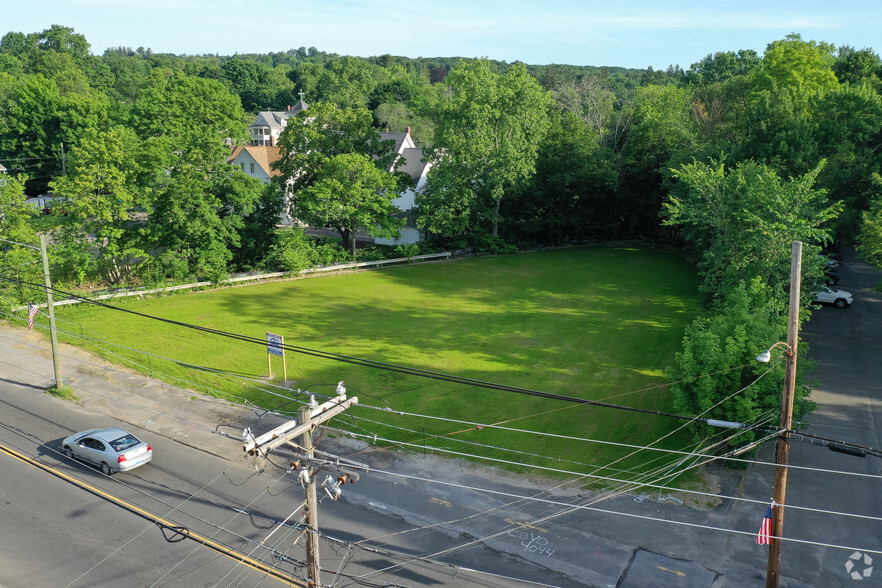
(124, 442)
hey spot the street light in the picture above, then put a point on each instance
(766, 355)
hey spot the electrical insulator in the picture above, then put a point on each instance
(295, 465)
(342, 479)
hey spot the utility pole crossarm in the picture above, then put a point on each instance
(287, 431)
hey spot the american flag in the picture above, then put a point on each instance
(32, 312)
(765, 532)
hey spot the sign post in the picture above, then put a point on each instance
(275, 346)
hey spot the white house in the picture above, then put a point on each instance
(406, 202)
(268, 125)
(256, 161)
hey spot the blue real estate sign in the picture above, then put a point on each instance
(274, 344)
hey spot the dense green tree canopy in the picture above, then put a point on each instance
(487, 141)
(99, 195)
(350, 194)
(324, 131)
(794, 63)
(716, 375)
(18, 258)
(744, 220)
(800, 102)
(326, 153)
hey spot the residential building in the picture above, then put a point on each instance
(256, 161)
(406, 202)
(268, 125)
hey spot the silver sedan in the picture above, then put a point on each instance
(112, 449)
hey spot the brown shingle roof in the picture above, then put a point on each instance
(264, 155)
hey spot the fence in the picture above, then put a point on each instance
(258, 277)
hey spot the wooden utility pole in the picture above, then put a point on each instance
(311, 510)
(782, 448)
(50, 307)
(309, 417)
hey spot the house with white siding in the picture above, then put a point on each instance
(256, 160)
(269, 124)
(418, 170)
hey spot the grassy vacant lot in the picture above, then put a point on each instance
(599, 322)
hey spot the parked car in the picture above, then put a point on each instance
(838, 298)
(112, 449)
(831, 278)
(829, 262)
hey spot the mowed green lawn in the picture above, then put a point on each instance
(599, 323)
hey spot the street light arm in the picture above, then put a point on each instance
(766, 355)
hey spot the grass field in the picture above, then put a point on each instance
(598, 322)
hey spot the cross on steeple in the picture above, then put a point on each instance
(301, 95)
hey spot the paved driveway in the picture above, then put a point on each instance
(847, 346)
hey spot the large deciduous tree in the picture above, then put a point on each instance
(42, 118)
(794, 63)
(870, 239)
(187, 119)
(744, 220)
(487, 141)
(350, 193)
(18, 260)
(195, 200)
(198, 218)
(716, 375)
(571, 197)
(99, 197)
(663, 134)
(323, 132)
(337, 168)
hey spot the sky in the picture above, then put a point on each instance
(624, 33)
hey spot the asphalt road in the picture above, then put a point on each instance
(847, 346)
(56, 533)
(467, 518)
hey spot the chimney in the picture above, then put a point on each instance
(407, 130)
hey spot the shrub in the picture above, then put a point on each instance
(292, 251)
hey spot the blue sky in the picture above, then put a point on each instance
(625, 33)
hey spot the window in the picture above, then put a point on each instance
(124, 442)
(252, 168)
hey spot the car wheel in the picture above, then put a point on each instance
(68, 453)
(840, 303)
(105, 469)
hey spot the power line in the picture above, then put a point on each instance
(373, 363)
(573, 506)
(815, 543)
(440, 449)
(606, 478)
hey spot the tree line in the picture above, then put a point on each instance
(732, 159)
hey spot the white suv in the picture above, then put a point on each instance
(838, 298)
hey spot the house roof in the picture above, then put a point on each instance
(264, 155)
(278, 118)
(412, 165)
(401, 139)
(270, 118)
(297, 108)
